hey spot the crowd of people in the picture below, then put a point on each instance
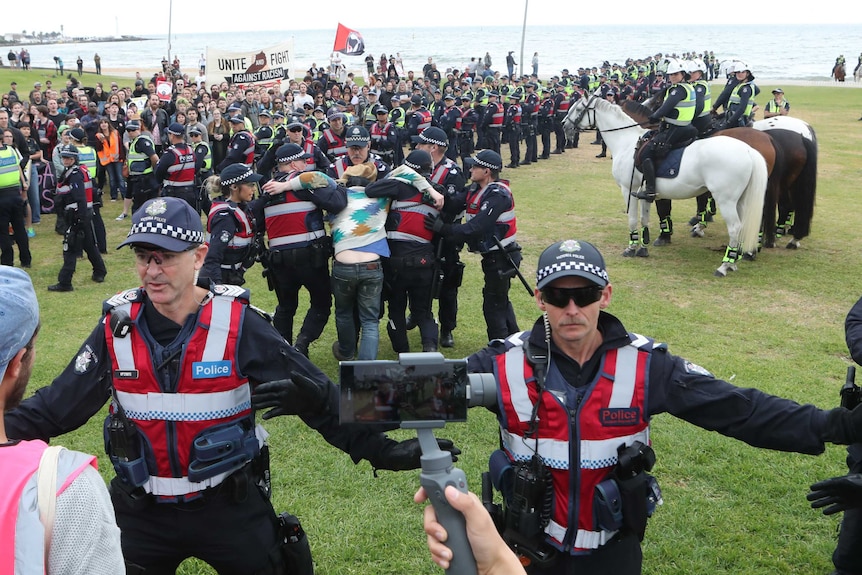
(363, 181)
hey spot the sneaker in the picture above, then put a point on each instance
(122, 217)
(31, 233)
(60, 287)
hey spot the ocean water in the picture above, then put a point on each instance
(774, 52)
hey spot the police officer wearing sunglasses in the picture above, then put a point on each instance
(575, 398)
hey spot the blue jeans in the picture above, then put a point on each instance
(357, 288)
(33, 195)
(118, 182)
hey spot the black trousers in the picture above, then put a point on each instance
(288, 278)
(545, 129)
(620, 556)
(405, 283)
(559, 132)
(492, 138)
(12, 212)
(70, 255)
(236, 537)
(848, 553)
(499, 315)
(187, 193)
(140, 189)
(514, 139)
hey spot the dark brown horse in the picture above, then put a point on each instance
(787, 157)
(839, 72)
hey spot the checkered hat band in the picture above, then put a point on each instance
(160, 228)
(571, 265)
(488, 165)
(428, 140)
(239, 178)
(285, 159)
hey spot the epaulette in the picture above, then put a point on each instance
(236, 292)
(261, 313)
(122, 298)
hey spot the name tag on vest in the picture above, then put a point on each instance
(207, 369)
(125, 374)
(619, 416)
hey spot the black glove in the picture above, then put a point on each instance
(436, 225)
(653, 120)
(843, 426)
(839, 494)
(404, 455)
(297, 395)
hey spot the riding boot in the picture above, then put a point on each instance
(648, 170)
(604, 152)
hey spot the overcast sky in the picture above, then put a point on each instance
(151, 17)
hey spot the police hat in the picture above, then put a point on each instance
(133, 125)
(176, 129)
(195, 131)
(419, 160)
(278, 114)
(449, 96)
(357, 136)
(78, 134)
(488, 159)
(466, 97)
(334, 115)
(265, 113)
(291, 152)
(238, 119)
(294, 122)
(168, 223)
(238, 174)
(571, 258)
(516, 95)
(416, 99)
(432, 135)
(494, 94)
(380, 109)
(69, 151)
(234, 106)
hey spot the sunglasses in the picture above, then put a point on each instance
(295, 130)
(582, 296)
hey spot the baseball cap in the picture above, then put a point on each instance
(357, 136)
(778, 91)
(176, 129)
(167, 223)
(19, 313)
(488, 159)
(291, 152)
(571, 258)
(431, 135)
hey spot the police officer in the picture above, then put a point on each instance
(12, 206)
(141, 160)
(331, 141)
(555, 389)
(561, 110)
(75, 195)
(384, 136)
(264, 135)
(490, 223)
(703, 122)
(358, 144)
(446, 174)
(408, 273)
(512, 129)
(675, 115)
(240, 149)
(546, 122)
(418, 118)
(741, 99)
(450, 122)
(158, 355)
(88, 160)
(234, 241)
(466, 128)
(203, 164)
(492, 122)
(529, 124)
(176, 168)
(299, 249)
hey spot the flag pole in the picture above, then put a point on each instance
(523, 33)
(170, 17)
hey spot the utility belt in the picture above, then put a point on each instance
(400, 264)
(501, 262)
(316, 254)
(219, 450)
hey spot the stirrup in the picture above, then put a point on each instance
(644, 195)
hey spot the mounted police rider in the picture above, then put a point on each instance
(675, 115)
(741, 99)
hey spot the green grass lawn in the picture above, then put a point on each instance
(776, 324)
(26, 79)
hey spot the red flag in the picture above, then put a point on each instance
(348, 41)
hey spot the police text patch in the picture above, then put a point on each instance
(612, 417)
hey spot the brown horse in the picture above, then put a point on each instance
(758, 140)
(838, 72)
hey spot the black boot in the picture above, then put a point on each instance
(648, 170)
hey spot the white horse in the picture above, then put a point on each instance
(733, 171)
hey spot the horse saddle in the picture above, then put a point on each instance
(667, 157)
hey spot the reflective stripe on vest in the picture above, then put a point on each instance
(707, 98)
(287, 220)
(736, 99)
(209, 390)
(411, 224)
(87, 157)
(182, 172)
(684, 108)
(139, 164)
(619, 389)
(507, 218)
(208, 158)
(10, 171)
(242, 239)
(335, 144)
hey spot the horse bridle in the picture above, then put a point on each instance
(588, 107)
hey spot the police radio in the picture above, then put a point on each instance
(851, 394)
